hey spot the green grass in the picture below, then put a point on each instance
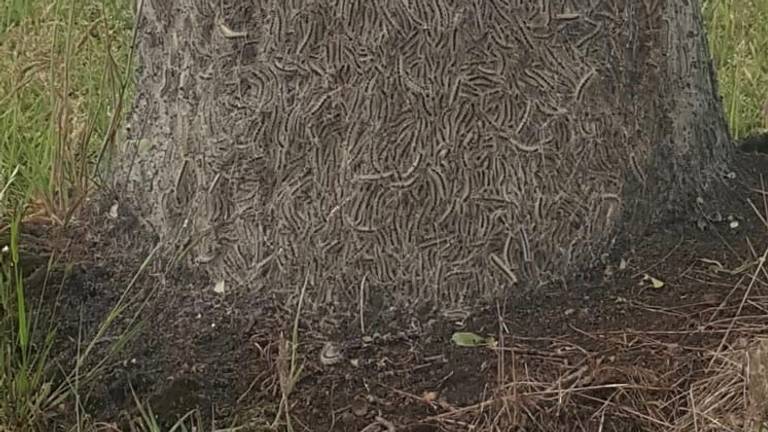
(25, 375)
(738, 39)
(63, 69)
(64, 83)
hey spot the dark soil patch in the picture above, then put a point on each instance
(582, 353)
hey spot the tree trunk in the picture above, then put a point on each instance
(410, 150)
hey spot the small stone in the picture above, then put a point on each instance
(113, 211)
(569, 311)
(359, 407)
(220, 287)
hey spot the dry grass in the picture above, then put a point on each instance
(677, 393)
(711, 377)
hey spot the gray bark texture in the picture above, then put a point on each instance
(404, 150)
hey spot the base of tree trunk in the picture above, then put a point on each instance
(391, 152)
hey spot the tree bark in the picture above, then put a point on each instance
(409, 150)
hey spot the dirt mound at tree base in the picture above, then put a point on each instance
(604, 351)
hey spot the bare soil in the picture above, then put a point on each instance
(591, 353)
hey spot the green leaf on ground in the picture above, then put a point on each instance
(469, 339)
(656, 283)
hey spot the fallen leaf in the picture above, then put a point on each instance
(113, 211)
(623, 264)
(220, 287)
(430, 396)
(656, 283)
(469, 339)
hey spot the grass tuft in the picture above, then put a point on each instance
(738, 40)
(63, 81)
